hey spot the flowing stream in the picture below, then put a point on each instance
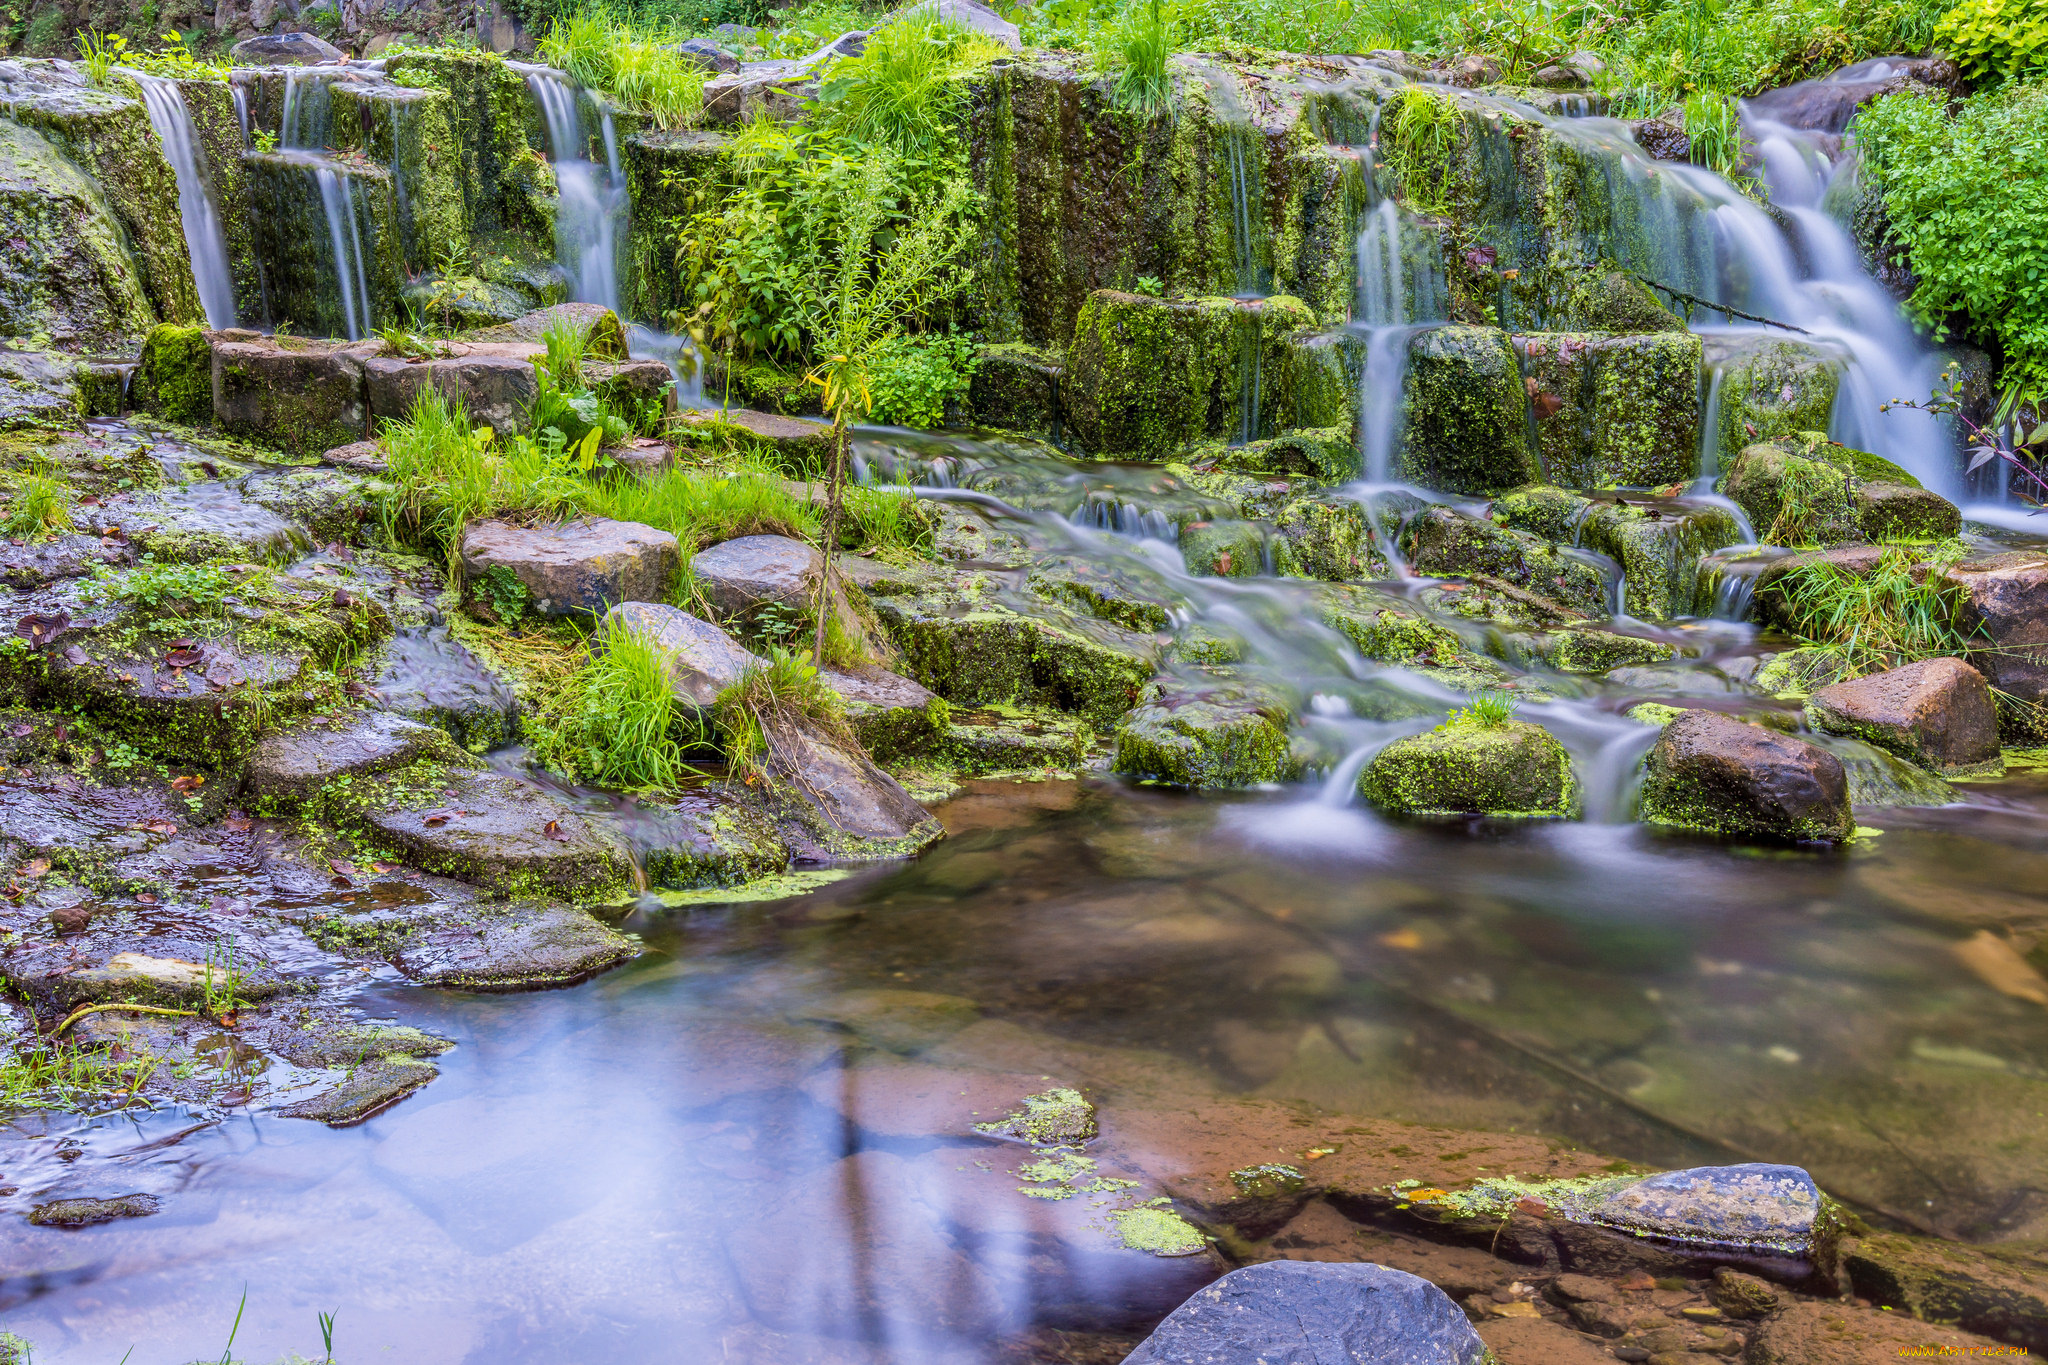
(172, 120)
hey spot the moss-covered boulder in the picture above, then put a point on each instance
(1446, 544)
(306, 397)
(1016, 388)
(1467, 420)
(409, 130)
(1149, 376)
(672, 176)
(1225, 549)
(1712, 772)
(1762, 388)
(175, 377)
(498, 137)
(1804, 489)
(315, 288)
(1467, 766)
(1206, 730)
(1614, 411)
(1658, 542)
(68, 272)
(1331, 538)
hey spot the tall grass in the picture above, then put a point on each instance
(618, 723)
(906, 87)
(441, 474)
(601, 46)
(784, 689)
(40, 506)
(1136, 47)
(1901, 611)
(702, 508)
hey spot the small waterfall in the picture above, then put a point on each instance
(338, 201)
(590, 216)
(1251, 331)
(241, 96)
(306, 118)
(1388, 314)
(204, 238)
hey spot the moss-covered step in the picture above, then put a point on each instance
(1614, 411)
(1206, 728)
(1761, 388)
(1441, 543)
(306, 397)
(303, 202)
(1017, 388)
(1148, 376)
(71, 277)
(672, 177)
(1469, 766)
(1466, 427)
(506, 184)
(409, 130)
(1805, 490)
(1657, 541)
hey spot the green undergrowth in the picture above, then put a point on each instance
(783, 691)
(631, 57)
(60, 1076)
(1901, 611)
(616, 721)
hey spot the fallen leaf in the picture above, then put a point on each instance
(342, 599)
(381, 868)
(39, 628)
(438, 817)
(239, 824)
(1520, 1308)
(146, 897)
(183, 658)
(1999, 965)
(343, 866)
(22, 730)
(36, 867)
(189, 782)
(1545, 406)
(1408, 940)
(157, 827)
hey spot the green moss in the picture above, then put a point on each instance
(412, 132)
(1804, 490)
(1206, 732)
(175, 378)
(1467, 426)
(1224, 549)
(1626, 408)
(1469, 767)
(1016, 388)
(1158, 1230)
(1053, 1118)
(71, 277)
(497, 132)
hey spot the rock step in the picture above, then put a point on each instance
(581, 567)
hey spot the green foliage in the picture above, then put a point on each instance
(1899, 612)
(887, 519)
(265, 140)
(180, 589)
(601, 46)
(906, 89)
(701, 508)
(1419, 129)
(53, 1076)
(222, 984)
(399, 342)
(1135, 48)
(1714, 127)
(1996, 40)
(1490, 707)
(500, 590)
(40, 506)
(1150, 285)
(911, 380)
(767, 698)
(618, 723)
(566, 411)
(98, 52)
(1964, 196)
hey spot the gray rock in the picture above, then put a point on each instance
(702, 659)
(353, 1044)
(857, 809)
(497, 832)
(367, 1090)
(706, 838)
(579, 567)
(1828, 104)
(798, 438)
(209, 519)
(495, 385)
(285, 49)
(967, 13)
(366, 456)
(1714, 773)
(425, 674)
(891, 716)
(525, 948)
(1750, 1207)
(290, 764)
(1313, 1313)
(708, 55)
(738, 576)
(79, 1213)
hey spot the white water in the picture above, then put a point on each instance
(1390, 308)
(204, 238)
(590, 216)
(338, 200)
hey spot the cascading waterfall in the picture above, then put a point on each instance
(591, 212)
(338, 201)
(1387, 314)
(204, 238)
(308, 107)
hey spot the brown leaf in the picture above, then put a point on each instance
(183, 658)
(156, 827)
(146, 897)
(343, 866)
(554, 831)
(239, 823)
(342, 598)
(190, 782)
(381, 868)
(36, 867)
(439, 817)
(341, 884)
(1545, 405)
(22, 730)
(39, 628)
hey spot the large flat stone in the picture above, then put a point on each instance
(524, 948)
(749, 572)
(891, 716)
(291, 764)
(503, 835)
(1310, 1312)
(1847, 1334)
(1710, 772)
(1937, 713)
(702, 659)
(306, 397)
(576, 568)
(858, 810)
(494, 383)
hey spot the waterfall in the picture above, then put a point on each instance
(591, 212)
(1390, 308)
(338, 201)
(204, 238)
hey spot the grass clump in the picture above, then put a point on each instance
(766, 700)
(701, 508)
(607, 48)
(1491, 708)
(186, 590)
(906, 89)
(1134, 49)
(617, 722)
(40, 507)
(54, 1076)
(1900, 611)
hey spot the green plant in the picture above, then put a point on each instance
(223, 993)
(1996, 40)
(564, 405)
(98, 52)
(1418, 131)
(1902, 610)
(912, 380)
(1714, 128)
(227, 1355)
(1963, 195)
(1490, 707)
(500, 589)
(617, 723)
(41, 506)
(1151, 285)
(1135, 49)
(327, 1339)
(765, 699)
(265, 141)
(906, 88)
(600, 46)
(52, 1076)
(399, 342)
(179, 589)
(889, 519)
(702, 508)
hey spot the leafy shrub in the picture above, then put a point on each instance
(1964, 196)
(1995, 40)
(911, 380)
(181, 589)
(906, 88)
(602, 46)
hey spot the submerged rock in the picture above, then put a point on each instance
(1937, 713)
(82, 1213)
(493, 831)
(1848, 1334)
(2001, 1291)
(368, 1090)
(289, 765)
(1467, 766)
(1060, 1117)
(578, 568)
(1710, 772)
(1296, 1312)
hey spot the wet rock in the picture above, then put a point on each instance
(351, 1045)
(422, 673)
(2001, 1292)
(494, 384)
(779, 90)
(1709, 772)
(704, 838)
(1937, 713)
(1533, 1341)
(1662, 139)
(302, 396)
(1846, 1334)
(1060, 1117)
(799, 443)
(289, 765)
(889, 1098)
(852, 806)
(1806, 490)
(600, 325)
(1657, 541)
(1591, 650)
(708, 55)
(523, 948)
(81, 1213)
(1442, 543)
(1224, 549)
(1744, 1296)
(1773, 1211)
(37, 563)
(892, 717)
(208, 519)
(897, 1020)
(1469, 767)
(580, 567)
(175, 376)
(1299, 1311)
(1473, 70)
(368, 1090)
(1016, 388)
(1614, 411)
(332, 505)
(364, 456)
(2005, 600)
(742, 575)
(285, 49)
(1326, 538)
(140, 978)
(1828, 104)
(1009, 739)
(1467, 422)
(1772, 387)
(702, 659)
(496, 832)
(70, 272)
(1206, 731)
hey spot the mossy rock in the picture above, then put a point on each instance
(1326, 538)
(498, 135)
(408, 130)
(1327, 454)
(1386, 629)
(1225, 549)
(294, 239)
(1016, 388)
(1444, 544)
(995, 739)
(1467, 426)
(1658, 542)
(175, 378)
(667, 175)
(760, 385)
(1469, 767)
(1805, 490)
(1770, 388)
(71, 276)
(1205, 731)
(1614, 411)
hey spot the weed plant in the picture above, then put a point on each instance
(1137, 46)
(1899, 612)
(906, 89)
(764, 701)
(609, 48)
(1491, 708)
(701, 508)
(617, 722)
(54, 1076)
(40, 507)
